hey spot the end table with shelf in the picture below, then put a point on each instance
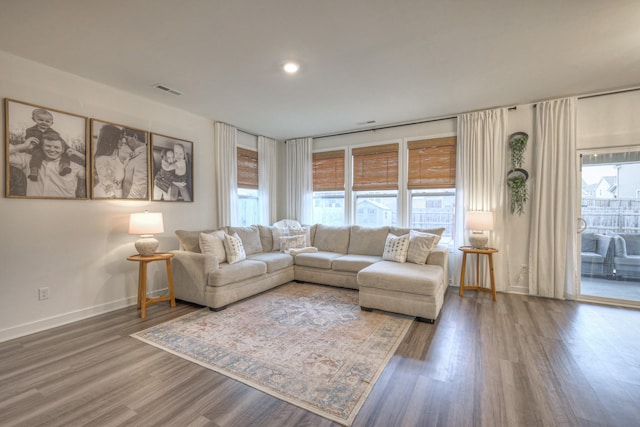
(143, 301)
(477, 287)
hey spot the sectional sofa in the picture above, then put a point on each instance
(346, 256)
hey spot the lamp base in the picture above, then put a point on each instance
(146, 245)
(478, 240)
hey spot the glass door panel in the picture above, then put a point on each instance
(610, 209)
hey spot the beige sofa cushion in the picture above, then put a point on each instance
(407, 277)
(332, 239)
(317, 259)
(231, 273)
(354, 262)
(367, 240)
(250, 237)
(266, 237)
(275, 260)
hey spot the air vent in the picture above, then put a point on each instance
(166, 89)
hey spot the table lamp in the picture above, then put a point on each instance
(146, 225)
(478, 222)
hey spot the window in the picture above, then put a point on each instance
(247, 170)
(375, 185)
(328, 187)
(434, 209)
(431, 183)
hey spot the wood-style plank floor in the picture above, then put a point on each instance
(520, 361)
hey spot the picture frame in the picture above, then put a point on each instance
(120, 161)
(54, 164)
(171, 169)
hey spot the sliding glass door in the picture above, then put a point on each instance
(610, 226)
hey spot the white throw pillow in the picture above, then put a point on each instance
(234, 248)
(396, 248)
(290, 242)
(277, 234)
(303, 231)
(420, 245)
(213, 243)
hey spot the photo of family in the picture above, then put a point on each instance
(120, 162)
(45, 152)
(172, 169)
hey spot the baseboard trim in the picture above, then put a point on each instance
(73, 316)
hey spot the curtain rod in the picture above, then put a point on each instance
(393, 126)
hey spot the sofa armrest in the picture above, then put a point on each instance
(190, 274)
(440, 256)
(620, 247)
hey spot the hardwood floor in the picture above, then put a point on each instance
(520, 361)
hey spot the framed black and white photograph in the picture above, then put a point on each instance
(45, 152)
(120, 166)
(172, 169)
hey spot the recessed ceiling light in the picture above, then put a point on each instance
(291, 67)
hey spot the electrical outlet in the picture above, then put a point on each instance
(43, 293)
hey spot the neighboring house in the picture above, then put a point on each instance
(606, 188)
(371, 213)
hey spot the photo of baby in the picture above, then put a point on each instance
(172, 169)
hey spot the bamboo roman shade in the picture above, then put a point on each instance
(328, 171)
(432, 163)
(247, 168)
(375, 168)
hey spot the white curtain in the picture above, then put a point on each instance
(267, 179)
(299, 172)
(481, 170)
(552, 245)
(225, 138)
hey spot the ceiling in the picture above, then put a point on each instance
(392, 61)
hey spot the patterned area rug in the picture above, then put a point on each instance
(308, 345)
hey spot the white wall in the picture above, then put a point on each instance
(78, 248)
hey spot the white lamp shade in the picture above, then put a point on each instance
(478, 220)
(146, 223)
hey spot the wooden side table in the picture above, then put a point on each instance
(143, 301)
(477, 287)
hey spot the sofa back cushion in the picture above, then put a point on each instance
(332, 238)
(367, 240)
(250, 237)
(266, 237)
(190, 240)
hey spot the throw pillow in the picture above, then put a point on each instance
(395, 248)
(289, 242)
(213, 243)
(303, 231)
(277, 234)
(234, 248)
(420, 245)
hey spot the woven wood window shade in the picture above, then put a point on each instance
(375, 168)
(247, 168)
(328, 171)
(432, 163)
